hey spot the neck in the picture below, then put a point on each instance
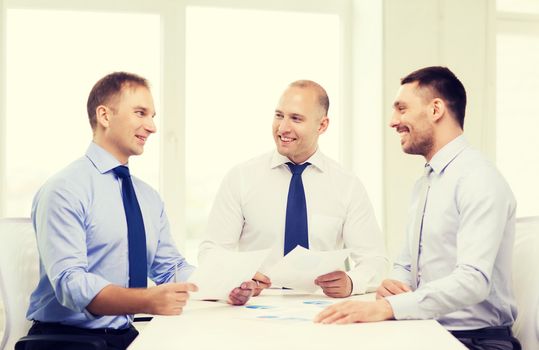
(107, 146)
(302, 158)
(442, 139)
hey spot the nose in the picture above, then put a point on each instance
(284, 125)
(395, 120)
(149, 126)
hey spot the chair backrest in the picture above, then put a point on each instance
(19, 274)
(526, 281)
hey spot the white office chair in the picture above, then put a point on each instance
(526, 282)
(19, 274)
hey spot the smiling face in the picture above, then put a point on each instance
(411, 120)
(125, 125)
(299, 121)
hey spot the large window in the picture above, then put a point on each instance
(53, 60)
(217, 73)
(238, 62)
(517, 90)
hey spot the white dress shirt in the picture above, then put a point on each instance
(466, 245)
(250, 208)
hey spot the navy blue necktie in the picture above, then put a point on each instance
(136, 236)
(295, 230)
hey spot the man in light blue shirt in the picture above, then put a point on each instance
(456, 263)
(82, 232)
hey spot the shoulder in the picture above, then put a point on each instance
(337, 172)
(251, 167)
(472, 165)
(75, 177)
(70, 187)
(477, 174)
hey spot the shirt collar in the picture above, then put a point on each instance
(100, 158)
(317, 160)
(446, 154)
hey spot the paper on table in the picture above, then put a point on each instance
(223, 270)
(299, 268)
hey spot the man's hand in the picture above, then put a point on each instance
(241, 294)
(391, 287)
(262, 282)
(336, 284)
(356, 311)
(168, 298)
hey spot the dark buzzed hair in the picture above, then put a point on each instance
(108, 88)
(443, 84)
(323, 98)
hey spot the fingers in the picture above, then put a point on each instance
(169, 298)
(391, 287)
(332, 276)
(262, 281)
(334, 314)
(240, 295)
(183, 287)
(335, 284)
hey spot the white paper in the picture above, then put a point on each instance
(222, 270)
(299, 268)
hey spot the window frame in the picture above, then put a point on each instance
(172, 148)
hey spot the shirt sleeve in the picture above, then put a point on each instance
(61, 239)
(485, 203)
(225, 222)
(168, 261)
(361, 234)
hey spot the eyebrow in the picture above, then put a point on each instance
(144, 109)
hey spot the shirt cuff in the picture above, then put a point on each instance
(81, 290)
(363, 281)
(405, 306)
(401, 274)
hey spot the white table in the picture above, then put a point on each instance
(280, 320)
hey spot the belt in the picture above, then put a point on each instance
(486, 333)
(86, 330)
(490, 333)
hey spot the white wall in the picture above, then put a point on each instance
(385, 40)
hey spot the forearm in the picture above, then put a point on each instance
(115, 300)
(464, 287)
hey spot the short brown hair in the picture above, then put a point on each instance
(109, 87)
(443, 84)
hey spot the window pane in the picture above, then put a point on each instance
(238, 64)
(517, 90)
(522, 6)
(53, 60)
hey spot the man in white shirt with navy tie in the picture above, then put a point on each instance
(456, 263)
(252, 209)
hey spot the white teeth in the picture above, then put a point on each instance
(286, 139)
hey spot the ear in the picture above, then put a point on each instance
(324, 123)
(438, 109)
(103, 114)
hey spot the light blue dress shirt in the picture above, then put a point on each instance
(81, 230)
(466, 246)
